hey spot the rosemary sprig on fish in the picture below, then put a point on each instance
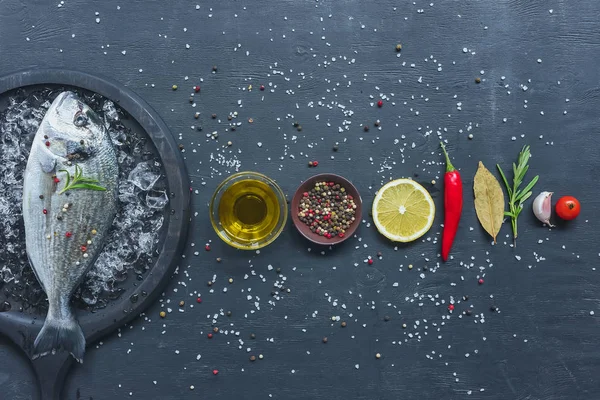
(78, 181)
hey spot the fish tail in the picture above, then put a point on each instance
(60, 333)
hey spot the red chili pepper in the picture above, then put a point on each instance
(453, 202)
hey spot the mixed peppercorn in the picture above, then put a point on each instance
(327, 209)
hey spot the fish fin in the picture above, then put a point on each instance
(58, 334)
(47, 162)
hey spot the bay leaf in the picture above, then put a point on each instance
(489, 201)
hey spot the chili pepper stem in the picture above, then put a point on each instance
(449, 166)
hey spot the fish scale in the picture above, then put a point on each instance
(70, 129)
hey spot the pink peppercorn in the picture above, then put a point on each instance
(370, 262)
(380, 103)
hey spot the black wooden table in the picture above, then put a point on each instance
(326, 64)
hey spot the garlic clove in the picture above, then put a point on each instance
(542, 207)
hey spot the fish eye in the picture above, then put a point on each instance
(80, 119)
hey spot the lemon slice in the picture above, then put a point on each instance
(403, 210)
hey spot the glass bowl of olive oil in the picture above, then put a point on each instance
(248, 210)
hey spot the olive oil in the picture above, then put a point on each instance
(249, 211)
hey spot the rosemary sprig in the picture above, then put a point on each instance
(78, 181)
(516, 196)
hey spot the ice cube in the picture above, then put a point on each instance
(157, 199)
(143, 176)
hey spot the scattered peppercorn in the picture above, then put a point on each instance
(181, 303)
(250, 120)
(379, 254)
(450, 307)
(325, 339)
(207, 247)
(468, 312)
(299, 128)
(214, 68)
(252, 336)
(162, 314)
(213, 116)
(215, 371)
(335, 147)
(68, 234)
(197, 115)
(378, 356)
(386, 318)
(229, 313)
(230, 280)
(252, 358)
(425, 267)
(196, 88)
(380, 103)
(229, 117)
(174, 87)
(218, 259)
(262, 87)
(233, 128)
(216, 330)
(41, 197)
(181, 147)
(366, 128)
(398, 47)
(493, 308)
(296, 124)
(478, 80)
(403, 326)
(199, 300)
(191, 99)
(410, 266)
(260, 357)
(343, 324)
(209, 283)
(370, 261)
(377, 123)
(278, 270)
(210, 335)
(480, 281)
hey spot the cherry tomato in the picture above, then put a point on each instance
(568, 207)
